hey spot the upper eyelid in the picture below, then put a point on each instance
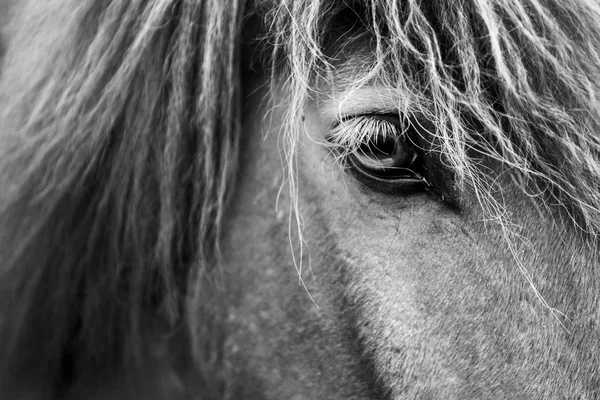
(365, 100)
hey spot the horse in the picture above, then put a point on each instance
(300, 199)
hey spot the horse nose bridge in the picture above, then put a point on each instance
(393, 334)
(459, 342)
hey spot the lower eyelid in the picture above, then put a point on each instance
(398, 187)
(406, 181)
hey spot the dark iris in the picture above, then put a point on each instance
(386, 157)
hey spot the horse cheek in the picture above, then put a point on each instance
(281, 345)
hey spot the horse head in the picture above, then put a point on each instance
(300, 199)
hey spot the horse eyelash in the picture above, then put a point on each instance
(349, 133)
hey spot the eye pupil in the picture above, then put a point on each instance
(378, 152)
(381, 147)
(386, 156)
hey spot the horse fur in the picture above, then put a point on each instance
(120, 136)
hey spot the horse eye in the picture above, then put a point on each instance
(387, 161)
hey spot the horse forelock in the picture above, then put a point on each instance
(514, 80)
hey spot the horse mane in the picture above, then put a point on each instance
(118, 150)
